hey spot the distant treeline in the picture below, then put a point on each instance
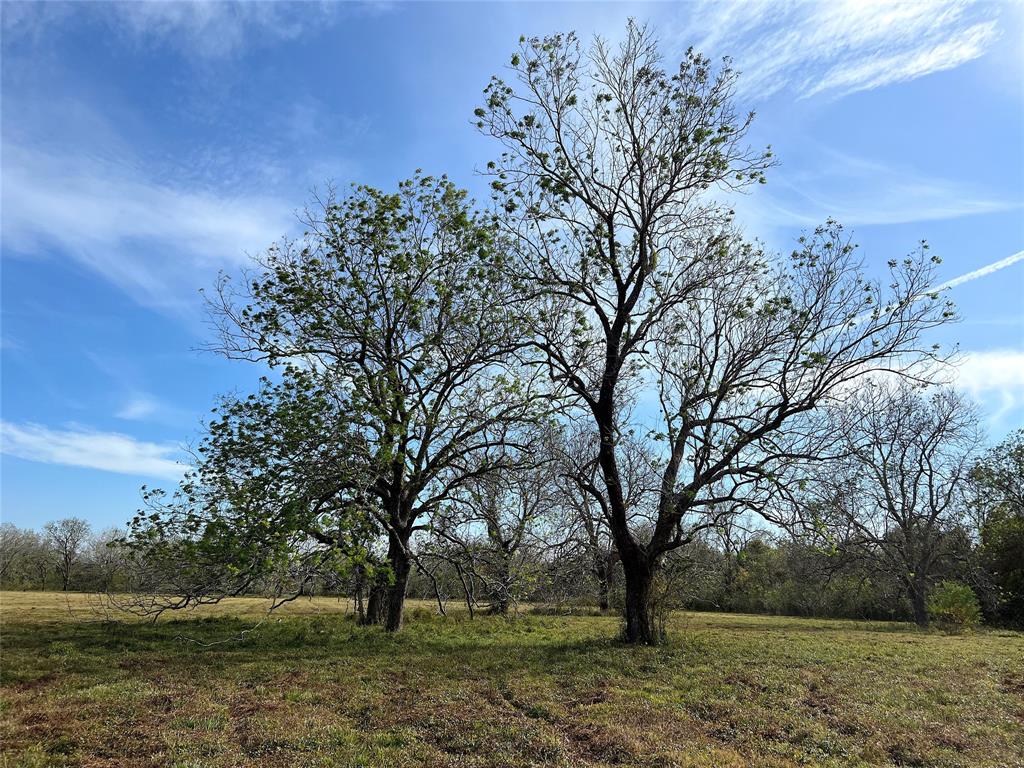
(66, 555)
(735, 569)
(754, 571)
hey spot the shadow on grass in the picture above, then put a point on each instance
(487, 645)
(759, 623)
(483, 645)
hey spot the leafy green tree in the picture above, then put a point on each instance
(998, 480)
(399, 307)
(609, 175)
(275, 502)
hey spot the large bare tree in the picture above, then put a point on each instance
(640, 282)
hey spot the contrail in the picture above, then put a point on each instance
(988, 269)
(995, 266)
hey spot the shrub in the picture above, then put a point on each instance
(954, 605)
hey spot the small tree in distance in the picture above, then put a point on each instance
(895, 492)
(67, 539)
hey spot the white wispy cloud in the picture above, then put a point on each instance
(141, 406)
(995, 378)
(842, 46)
(204, 29)
(138, 407)
(157, 241)
(81, 447)
(859, 192)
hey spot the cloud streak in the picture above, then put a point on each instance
(144, 407)
(860, 192)
(92, 449)
(138, 408)
(840, 47)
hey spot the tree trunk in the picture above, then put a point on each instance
(401, 567)
(919, 602)
(501, 595)
(357, 594)
(602, 591)
(376, 604)
(387, 598)
(641, 621)
(604, 564)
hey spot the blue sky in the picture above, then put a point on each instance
(146, 146)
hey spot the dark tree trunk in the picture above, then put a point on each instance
(377, 603)
(604, 567)
(386, 603)
(638, 567)
(396, 592)
(641, 626)
(602, 591)
(919, 602)
(500, 600)
(359, 592)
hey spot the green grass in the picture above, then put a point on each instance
(309, 688)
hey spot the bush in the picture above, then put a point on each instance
(954, 605)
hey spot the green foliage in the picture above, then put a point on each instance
(999, 498)
(402, 301)
(1003, 552)
(389, 327)
(954, 605)
(274, 500)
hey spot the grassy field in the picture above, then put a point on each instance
(309, 688)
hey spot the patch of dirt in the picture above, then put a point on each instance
(39, 682)
(596, 742)
(1012, 683)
